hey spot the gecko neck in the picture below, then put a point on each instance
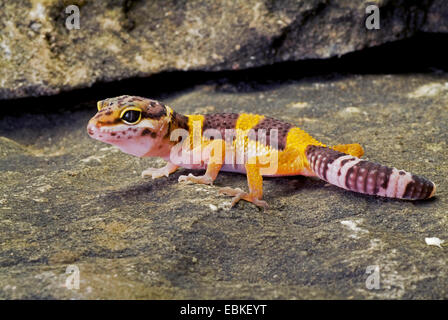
(165, 142)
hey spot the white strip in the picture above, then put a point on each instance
(381, 191)
(333, 168)
(394, 178)
(317, 164)
(359, 182)
(145, 124)
(313, 158)
(344, 169)
(322, 168)
(403, 181)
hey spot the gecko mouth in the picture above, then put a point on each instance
(110, 134)
(116, 129)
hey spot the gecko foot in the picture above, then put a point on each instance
(156, 173)
(205, 179)
(239, 194)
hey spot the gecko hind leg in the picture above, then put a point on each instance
(255, 182)
(353, 149)
(239, 194)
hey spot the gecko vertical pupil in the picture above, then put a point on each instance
(131, 116)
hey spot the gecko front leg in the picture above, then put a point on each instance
(215, 152)
(210, 175)
(160, 172)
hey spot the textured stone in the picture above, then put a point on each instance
(124, 39)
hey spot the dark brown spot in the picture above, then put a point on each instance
(323, 163)
(112, 134)
(146, 131)
(153, 135)
(418, 188)
(343, 162)
(108, 113)
(408, 190)
(179, 121)
(366, 170)
(387, 173)
(154, 110)
(328, 156)
(269, 124)
(401, 173)
(376, 187)
(220, 122)
(350, 178)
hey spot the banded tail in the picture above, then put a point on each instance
(367, 177)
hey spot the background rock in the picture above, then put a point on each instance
(123, 39)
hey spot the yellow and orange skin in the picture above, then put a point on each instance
(152, 136)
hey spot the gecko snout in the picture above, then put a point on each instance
(89, 131)
(92, 128)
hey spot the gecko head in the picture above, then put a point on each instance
(136, 125)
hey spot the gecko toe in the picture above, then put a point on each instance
(260, 203)
(239, 194)
(184, 178)
(193, 179)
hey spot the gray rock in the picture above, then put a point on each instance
(123, 39)
(66, 199)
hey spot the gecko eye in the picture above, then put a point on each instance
(131, 116)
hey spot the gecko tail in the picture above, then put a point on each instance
(351, 173)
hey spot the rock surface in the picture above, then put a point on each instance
(66, 199)
(123, 39)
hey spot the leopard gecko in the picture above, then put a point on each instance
(251, 144)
